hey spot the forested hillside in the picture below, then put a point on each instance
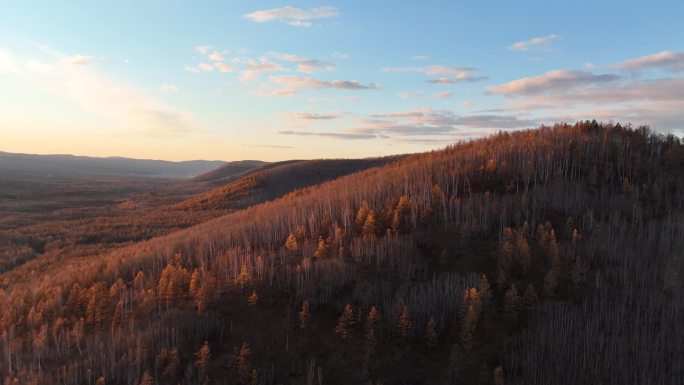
(547, 256)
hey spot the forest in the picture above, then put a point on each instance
(544, 256)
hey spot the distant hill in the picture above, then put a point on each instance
(30, 165)
(229, 171)
(273, 180)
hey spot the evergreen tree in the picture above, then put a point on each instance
(512, 304)
(530, 299)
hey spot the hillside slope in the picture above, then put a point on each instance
(549, 256)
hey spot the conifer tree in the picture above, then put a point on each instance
(369, 225)
(404, 326)
(401, 220)
(470, 314)
(431, 334)
(195, 283)
(206, 293)
(322, 249)
(254, 379)
(522, 252)
(243, 277)
(253, 299)
(291, 244)
(203, 356)
(346, 322)
(242, 363)
(304, 315)
(530, 299)
(498, 376)
(361, 216)
(485, 289)
(146, 379)
(512, 304)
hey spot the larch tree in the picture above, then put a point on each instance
(498, 376)
(369, 225)
(346, 322)
(530, 299)
(146, 379)
(304, 315)
(431, 333)
(243, 277)
(322, 249)
(253, 299)
(404, 325)
(512, 304)
(361, 216)
(195, 283)
(291, 244)
(470, 314)
(203, 357)
(401, 222)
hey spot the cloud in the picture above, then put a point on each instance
(303, 64)
(420, 57)
(441, 74)
(535, 44)
(78, 59)
(256, 67)
(292, 16)
(339, 55)
(443, 95)
(552, 81)
(201, 67)
(203, 49)
(409, 94)
(668, 60)
(335, 135)
(216, 56)
(305, 116)
(169, 88)
(132, 106)
(223, 67)
(294, 84)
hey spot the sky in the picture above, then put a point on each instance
(276, 80)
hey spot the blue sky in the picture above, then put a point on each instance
(278, 80)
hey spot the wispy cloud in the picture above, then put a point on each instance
(304, 64)
(307, 116)
(668, 60)
(78, 59)
(97, 93)
(440, 74)
(443, 95)
(169, 88)
(552, 81)
(409, 94)
(293, 16)
(256, 67)
(335, 135)
(289, 85)
(542, 43)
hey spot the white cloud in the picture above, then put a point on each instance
(420, 57)
(289, 85)
(169, 88)
(668, 60)
(203, 49)
(223, 67)
(535, 44)
(96, 93)
(78, 59)
(292, 16)
(216, 56)
(201, 67)
(339, 55)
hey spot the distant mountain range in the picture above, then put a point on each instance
(31, 165)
